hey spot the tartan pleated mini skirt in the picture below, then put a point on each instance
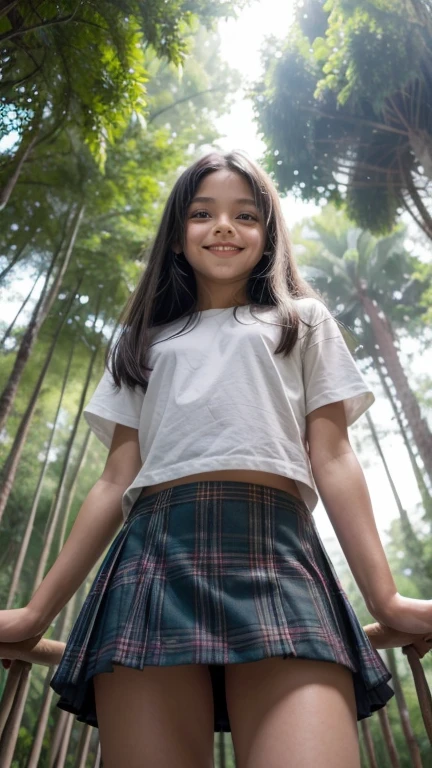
(215, 573)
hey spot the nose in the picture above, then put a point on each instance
(223, 225)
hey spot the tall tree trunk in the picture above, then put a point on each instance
(30, 523)
(9, 330)
(11, 465)
(15, 259)
(58, 501)
(9, 187)
(423, 490)
(71, 492)
(413, 545)
(40, 312)
(417, 424)
(408, 732)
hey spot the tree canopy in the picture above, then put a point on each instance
(345, 108)
(84, 65)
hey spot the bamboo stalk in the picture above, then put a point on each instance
(32, 516)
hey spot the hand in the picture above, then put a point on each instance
(407, 614)
(382, 636)
(36, 650)
(19, 624)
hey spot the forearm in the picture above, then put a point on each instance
(342, 487)
(96, 524)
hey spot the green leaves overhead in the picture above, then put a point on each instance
(83, 64)
(345, 108)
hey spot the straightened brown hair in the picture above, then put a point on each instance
(167, 289)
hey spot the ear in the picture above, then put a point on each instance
(177, 248)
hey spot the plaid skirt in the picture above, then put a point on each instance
(216, 573)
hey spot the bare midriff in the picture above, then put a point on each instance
(235, 475)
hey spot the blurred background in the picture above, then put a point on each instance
(101, 107)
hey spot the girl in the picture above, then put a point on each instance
(224, 406)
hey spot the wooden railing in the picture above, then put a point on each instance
(49, 652)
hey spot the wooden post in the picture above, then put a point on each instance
(57, 737)
(11, 687)
(83, 747)
(416, 761)
(42, 722)
(97, 762)
(61, 760)
(222, 761)
(367, 738)
(422, 688)
(388, 737)
(11, 729)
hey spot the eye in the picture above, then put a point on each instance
(251, 216)
(199, 214)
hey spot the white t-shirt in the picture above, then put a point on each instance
(218, 398)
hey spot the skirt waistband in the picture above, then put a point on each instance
(226, 489)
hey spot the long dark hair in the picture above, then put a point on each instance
(167, 289)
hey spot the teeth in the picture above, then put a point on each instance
(223, 248)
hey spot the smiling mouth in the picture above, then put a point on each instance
(223, 250)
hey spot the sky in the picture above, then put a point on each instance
(241, 41)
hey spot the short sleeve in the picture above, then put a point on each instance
(330, 373)
(110, 406)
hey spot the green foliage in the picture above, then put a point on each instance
(342, 261)
(123, 199)
(344, 108)
(84, 66)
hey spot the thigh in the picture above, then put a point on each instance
(156, 717)
(292, 712)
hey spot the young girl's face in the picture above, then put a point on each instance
(225, 235)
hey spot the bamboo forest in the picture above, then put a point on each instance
(102, 106)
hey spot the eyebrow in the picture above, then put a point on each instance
(242, 200)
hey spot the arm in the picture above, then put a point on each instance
(342, 487)
(96, 524)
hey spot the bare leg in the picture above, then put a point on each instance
(159, 717)
(292, 712)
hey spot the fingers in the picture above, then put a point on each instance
(422, 647)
